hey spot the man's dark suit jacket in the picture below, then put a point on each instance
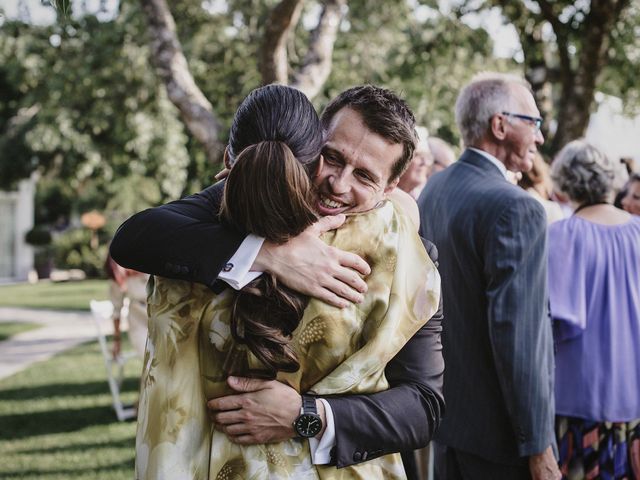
(184, 240)
(491, 239)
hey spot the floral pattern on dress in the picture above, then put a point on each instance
(341, 351)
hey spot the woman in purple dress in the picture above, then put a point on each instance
(594, 285)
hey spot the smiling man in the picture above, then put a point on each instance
(369, 139)
(491, 237)
(352, 178)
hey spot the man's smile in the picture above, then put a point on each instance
(329, 203)
(330, 206)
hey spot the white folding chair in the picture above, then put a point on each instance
(101, 311)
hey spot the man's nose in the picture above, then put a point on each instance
(339, 183)
(539, 137)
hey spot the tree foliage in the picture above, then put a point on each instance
(426, 61)
(571, 50)
(81, 101)
(83, 107)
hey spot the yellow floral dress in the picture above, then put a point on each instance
(341, 351)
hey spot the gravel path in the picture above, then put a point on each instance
(60, 331)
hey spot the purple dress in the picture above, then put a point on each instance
(594, 285)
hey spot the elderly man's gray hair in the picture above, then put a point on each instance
(488, 93)
(583, 173)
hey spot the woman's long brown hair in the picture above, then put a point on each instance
(268, 193)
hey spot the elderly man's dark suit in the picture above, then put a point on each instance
(498, 350)
(184, 240)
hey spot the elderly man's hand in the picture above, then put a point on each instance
(544, 466)
(309, 266)
(262, 411)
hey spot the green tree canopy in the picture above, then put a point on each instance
(81, 101)
(571, 50)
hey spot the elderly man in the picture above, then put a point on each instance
(497, 339)
(369, 141)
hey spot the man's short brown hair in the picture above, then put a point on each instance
(384, 113)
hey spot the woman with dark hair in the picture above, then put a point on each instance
(198, 338)
(594, 290)
(631, 199)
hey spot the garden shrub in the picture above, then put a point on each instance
(72, 249)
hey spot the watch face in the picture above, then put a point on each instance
(308, 425)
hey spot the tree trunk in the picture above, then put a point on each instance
(171, 65)
(578, 92)
(576, 76)
(316, 66)
(274, 63)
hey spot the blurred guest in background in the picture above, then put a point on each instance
(414, 178)
(594, 285)
(631, 199)
(537, 182)
(443, 155)
(628, 164)
(128, 287)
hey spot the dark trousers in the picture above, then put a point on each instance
(410, 467)
(452, 464)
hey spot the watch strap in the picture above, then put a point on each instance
(308, 404)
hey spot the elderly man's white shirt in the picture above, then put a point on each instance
(499, 165)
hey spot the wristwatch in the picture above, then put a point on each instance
(309, 423)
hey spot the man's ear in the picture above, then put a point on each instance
(226, 158)
(391, 186)
(498, 127)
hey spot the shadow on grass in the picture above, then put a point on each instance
(128, 443)
(125, 467)
(56, 421)
(58, 390)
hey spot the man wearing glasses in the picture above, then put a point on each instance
(497, 340)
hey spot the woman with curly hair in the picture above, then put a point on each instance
(594, 285)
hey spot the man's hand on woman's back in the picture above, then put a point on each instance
(260, 411)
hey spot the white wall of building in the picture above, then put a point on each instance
(16, 219)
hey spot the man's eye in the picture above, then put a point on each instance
(364, 176)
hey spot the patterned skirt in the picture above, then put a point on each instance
(598, 450)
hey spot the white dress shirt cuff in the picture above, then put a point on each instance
(237, 270)
(321, 449)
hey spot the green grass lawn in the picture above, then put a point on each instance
(8, 329)
(56, 420)
(56, 296)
